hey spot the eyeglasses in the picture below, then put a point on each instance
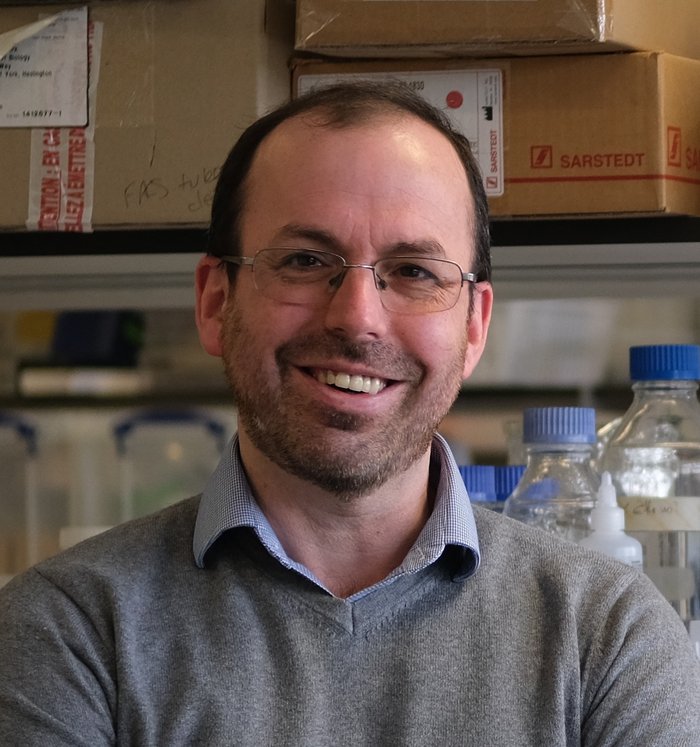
(309, 277)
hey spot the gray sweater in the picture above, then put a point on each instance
(124, 640)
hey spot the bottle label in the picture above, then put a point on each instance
(676, 514)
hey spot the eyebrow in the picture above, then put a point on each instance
(426, 248)
(319, 236)
(309, 233)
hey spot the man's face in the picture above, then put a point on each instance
(363, 192)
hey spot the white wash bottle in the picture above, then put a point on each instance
(608, 527)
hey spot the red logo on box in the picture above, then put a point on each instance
(541, 156)
(491, 182)
(454, 99)
(673, 144)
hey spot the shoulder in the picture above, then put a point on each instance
(135, 554)
(609, 617)
(505, 542)
(136, 541)
(539, 568)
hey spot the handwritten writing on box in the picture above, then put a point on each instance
(197, 189)
(675, 513)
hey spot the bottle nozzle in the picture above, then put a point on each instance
(607, 515)
(607, 495)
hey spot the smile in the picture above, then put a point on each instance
(353, 382)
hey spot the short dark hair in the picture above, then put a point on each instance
(341, 105)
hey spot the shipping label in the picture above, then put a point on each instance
(472, 99)
(44, 72)
(62, 164)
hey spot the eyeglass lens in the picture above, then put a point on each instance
(310, 277)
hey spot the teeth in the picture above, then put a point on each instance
(353, 382)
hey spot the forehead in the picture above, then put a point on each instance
(368, 182)
(308, 137)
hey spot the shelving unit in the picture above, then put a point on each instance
(152, 268)
(597, 258)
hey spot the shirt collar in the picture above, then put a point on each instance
(227, 502)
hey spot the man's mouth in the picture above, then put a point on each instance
(352, 382)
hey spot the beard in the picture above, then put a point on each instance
(346, 454)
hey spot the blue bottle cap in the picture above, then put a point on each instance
(479, 481)
(559, 425)
(665, 362)
(506, 477)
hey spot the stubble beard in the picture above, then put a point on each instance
(346, 454)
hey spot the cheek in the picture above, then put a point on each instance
(439, 341)
(255, 327)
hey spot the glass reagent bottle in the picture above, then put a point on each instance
(558, 489)
(654, 459)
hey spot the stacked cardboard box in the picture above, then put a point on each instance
(454, 28)
(176, 83)
(556, 134)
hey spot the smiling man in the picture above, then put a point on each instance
(332, 585)
(303, 334)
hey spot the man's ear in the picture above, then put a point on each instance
(478, 326)
(211, 294)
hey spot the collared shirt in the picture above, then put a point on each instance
(228, 502)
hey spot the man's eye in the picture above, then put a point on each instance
(412, 272)
(302, 261)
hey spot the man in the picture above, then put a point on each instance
(332, 585)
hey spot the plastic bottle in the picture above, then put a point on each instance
(654, 460)
(558, 489)
(608, 527)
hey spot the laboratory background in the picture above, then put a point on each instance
(115, 117)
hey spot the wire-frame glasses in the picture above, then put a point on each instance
(309, 277)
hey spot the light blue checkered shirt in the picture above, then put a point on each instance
(227, 502)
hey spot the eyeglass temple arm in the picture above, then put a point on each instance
(236, 260)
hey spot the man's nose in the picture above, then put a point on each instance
(355, 308)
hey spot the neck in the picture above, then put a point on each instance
(347, 544)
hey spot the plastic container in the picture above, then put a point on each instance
(80, 477)
(608, 528)
(20, 540)
(654, 459)
(557, 491)
(165, 456)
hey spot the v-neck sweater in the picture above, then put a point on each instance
(126, 640)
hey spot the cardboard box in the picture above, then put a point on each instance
(178, 81)
(453, 28)
(581, 134)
